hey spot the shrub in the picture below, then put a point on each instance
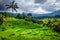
(34, 20)
(1, 20)
(57, 29)
(3, 28)
(39, 22)
(7, 14)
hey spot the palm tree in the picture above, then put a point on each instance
(12, 5)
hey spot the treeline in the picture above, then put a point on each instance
(43, 17)
(28, 17)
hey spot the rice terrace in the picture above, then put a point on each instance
(29, 20)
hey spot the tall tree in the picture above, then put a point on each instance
(29, 14)
(13, 6)
(23, 15)
(18, 16)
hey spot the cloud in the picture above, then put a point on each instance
(51, 5)
(40, 10)
(40, 1)
(30, 6)
(39, 6)
(3, 3)
(33, 6)
(57, 0)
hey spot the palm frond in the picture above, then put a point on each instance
(15, 9)
(16, 5)
(13, 5)
(13, 1)
(8, 8)
(6, 5)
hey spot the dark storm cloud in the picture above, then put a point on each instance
(35, 6)
(40, 1)
(3, 3)
(57, 0)
(2, 7)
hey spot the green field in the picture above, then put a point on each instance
(19, 29)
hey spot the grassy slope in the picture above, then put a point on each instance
(15, 29)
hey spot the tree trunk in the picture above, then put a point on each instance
(12, 12)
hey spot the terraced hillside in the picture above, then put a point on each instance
(15, 29)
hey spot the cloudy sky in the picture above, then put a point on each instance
(33, 6)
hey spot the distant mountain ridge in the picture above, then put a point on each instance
(48, 14)
(36, 14)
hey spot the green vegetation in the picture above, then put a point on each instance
(26, 27)
(19, 29)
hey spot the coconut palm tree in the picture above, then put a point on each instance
(13, 6)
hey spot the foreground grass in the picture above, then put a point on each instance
(15, 29)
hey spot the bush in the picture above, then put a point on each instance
(57, 29)
(7, 14)
(34, 20)
(3, 29)
(26, 19)
(1, 20)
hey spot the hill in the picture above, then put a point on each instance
(36, 14)
(15, 29)
(48, 14)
